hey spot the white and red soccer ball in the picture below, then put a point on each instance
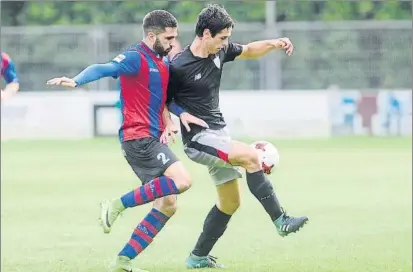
(269, 155)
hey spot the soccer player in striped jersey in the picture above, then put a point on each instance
(144, 73)
(8, 72)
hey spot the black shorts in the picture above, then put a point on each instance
(148, 157)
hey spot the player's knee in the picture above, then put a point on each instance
(166, 205)
(228, 205)
(246, 156)
(183, 181)
(252, 161)
(180, 176)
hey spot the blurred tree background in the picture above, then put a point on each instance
(113, 12)
(351, 56)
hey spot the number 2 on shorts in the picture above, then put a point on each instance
(162, 156)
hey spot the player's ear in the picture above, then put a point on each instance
(152, 36)
(206, 33)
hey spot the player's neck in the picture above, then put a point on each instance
(198, 49)
(148, 44)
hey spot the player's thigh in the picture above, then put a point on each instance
(148, 158)
(229, 196)
(242, 154)
(222, 175)
(209, 147)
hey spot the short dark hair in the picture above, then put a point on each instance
(156, 21)
(215, 18)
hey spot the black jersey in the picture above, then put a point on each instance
(194, 85)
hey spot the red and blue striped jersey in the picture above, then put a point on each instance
(8, 72)
(143, 82)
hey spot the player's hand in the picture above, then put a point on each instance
(170, 130)
(187, 119)
(286, 44)
(62, 81)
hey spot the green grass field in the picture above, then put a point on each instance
(357, 193)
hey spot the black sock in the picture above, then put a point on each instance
(262, 189)
(214, 226)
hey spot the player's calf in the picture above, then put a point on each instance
(214, 227)
(157, 188)
(215, 224)
(166, 205)
(246, 156)
(144, 234)
(229, 197)
(175, 181)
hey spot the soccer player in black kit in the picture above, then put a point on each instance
(195, 75)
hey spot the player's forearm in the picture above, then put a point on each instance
(175, 109)
(95, 72)
(258, 49)
(166, 116)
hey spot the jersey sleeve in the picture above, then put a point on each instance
(172, 84)
(173, 87)
(95, 72)
(128, 63)
(10, 74)
(8, 71)
(232, 50)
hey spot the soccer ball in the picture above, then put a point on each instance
(270, 158)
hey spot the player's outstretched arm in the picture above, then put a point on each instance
(258, 49)
(127, 63)
(91, 73)
(12, 81)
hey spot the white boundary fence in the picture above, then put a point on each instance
(253, 114)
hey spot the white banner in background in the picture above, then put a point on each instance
(51, 115)
(256, 114)
(73, 115)
(281, 114)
